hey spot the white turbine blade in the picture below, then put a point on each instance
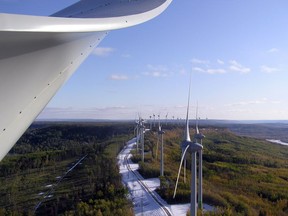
(39, 54)
(182, 159)
(197, 129)
(187, 134)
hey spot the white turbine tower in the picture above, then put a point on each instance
(142, 131)
(157, 142)
(192, 147)
(166, 118)
(160, 135)
(137, 134)
(199, 137)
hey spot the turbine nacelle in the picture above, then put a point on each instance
(184, 145)
(195, 147)
(199, 136)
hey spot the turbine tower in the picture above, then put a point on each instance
(166, 118)
(137, 134)
(199, 137)
(160, 135)
(192, 147)
(142, 131)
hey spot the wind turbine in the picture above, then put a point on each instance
(142, 129)
(160, 136)
(166, 118)
(199, 136)
(192, 147)
(137, 133)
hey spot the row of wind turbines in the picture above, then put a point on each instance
(188, 146)
(140, 133)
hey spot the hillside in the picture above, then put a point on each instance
(242, 175)
(40, 176)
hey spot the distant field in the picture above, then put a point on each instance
(277, 131)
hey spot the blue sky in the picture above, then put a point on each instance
(236, 50)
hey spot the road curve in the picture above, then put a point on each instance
(143, 185)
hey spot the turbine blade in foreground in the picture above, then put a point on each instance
(197, 129)
(39, 54)
(182, 159)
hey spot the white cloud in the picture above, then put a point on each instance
(216, 71)
(220, 62)
(155, 74)
(198, 69)
(110, 112)
(182, 71)
(273, 50)
(157, 67)
(126, 55)
(199, 61)
(103, 51)
(118, 77)
(254, 102)
(267, 69)
(219, 67)
(210, 70)
(157, 71)
(235, 66)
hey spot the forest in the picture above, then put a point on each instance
(242, 175)
(39, 175)
(71, 169)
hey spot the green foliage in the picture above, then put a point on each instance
(242, 176)
(148, 171)
(44, 152)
